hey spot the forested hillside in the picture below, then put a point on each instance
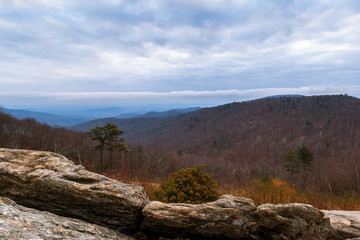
(242, 141)
(140, 161)
(239, 142)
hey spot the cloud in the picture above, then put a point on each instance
(170, 46)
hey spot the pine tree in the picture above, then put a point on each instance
(298, 161)
(107, 138)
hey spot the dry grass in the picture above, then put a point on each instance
(148, 184)
(277, 191)
(270, 191)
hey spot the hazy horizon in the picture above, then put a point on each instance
(132, 108)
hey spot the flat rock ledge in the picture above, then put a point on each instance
(18, 222)
(346, 223)
(50, 182)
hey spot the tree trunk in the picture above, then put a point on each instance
(101, 161)
(79, 156)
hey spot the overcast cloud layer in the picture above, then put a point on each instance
(142, 51)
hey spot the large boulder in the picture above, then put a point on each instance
(228, 217)
(18, 222)
(292, 221)
(48, 181)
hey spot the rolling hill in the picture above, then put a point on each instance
(244, 138)
(284, 120)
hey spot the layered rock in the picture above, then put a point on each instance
(237, 218)
(18, 222)
(48, 181)
(228, 217)
(292, 221)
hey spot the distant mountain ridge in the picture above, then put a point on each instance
(78, 117)
(169, 113)
(48, 118)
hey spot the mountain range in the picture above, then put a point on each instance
(49, 118)
(70, 118)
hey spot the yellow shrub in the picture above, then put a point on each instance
(188, 185)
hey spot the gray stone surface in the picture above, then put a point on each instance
(346, 223)
(292, 221)
(235, 218)
(21, 223)
(48, 181)
(228, 217)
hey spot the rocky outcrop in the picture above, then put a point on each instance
(228, 217)
(18, 222)
(292, 221)
(346, 223)
(236, 218)
(48, 181)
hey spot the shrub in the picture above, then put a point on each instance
(188, 185)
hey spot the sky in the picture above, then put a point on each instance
(190, 52)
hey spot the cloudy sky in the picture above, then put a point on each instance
(195, 52)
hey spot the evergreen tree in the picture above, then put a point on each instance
(107, 138)
(292, 165)
(298, 161)
(305, 156)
